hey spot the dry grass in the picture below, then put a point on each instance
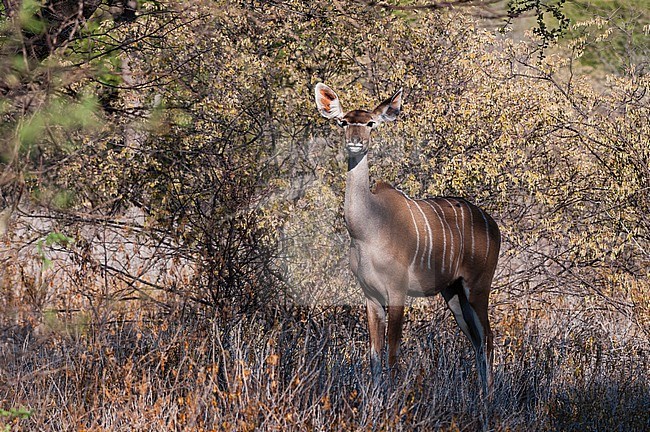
(306, 370)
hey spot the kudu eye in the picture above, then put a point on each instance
(342, 123)
(370, 124)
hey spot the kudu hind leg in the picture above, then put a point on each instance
(475, 313)
(452, 298)
(486, 349)
(377, 331)
(467, 318)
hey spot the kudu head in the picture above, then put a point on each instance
(357, 124)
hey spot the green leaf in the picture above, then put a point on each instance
(28, 19)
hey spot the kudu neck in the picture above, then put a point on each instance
(358, 198)
(355, 158)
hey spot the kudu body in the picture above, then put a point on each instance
(405, 247)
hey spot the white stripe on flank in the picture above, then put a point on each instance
(471, 224)
(462, 222)
(417, 232)
(460, 239)
(426, 221)
(451, 236)
(444, 237)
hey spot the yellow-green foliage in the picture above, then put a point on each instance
(559, 161)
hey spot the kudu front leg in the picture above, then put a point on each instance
(395, 321)
(377, 331)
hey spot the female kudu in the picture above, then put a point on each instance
(405, 247)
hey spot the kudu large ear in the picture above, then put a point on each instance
(327, 102)
(390, 108)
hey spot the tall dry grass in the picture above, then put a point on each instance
(306, 369)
